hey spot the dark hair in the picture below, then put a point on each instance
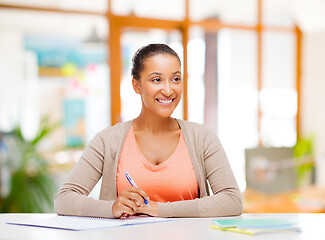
(144, 53)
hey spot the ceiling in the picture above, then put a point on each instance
(309, 15)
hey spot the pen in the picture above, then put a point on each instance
(128, 177)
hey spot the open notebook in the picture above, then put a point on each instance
(86, 223)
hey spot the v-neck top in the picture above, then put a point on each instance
(101, 157)
(172, 180)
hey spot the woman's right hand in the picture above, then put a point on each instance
(128, 202)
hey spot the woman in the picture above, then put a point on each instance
(170, 160)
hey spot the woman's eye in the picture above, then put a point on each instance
(156, 80)
(176, 79)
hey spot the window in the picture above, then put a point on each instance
(240, 73)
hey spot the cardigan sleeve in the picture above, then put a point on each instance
(72, 198)
(226, 199)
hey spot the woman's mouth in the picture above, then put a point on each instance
(165, 101)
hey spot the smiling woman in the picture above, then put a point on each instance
(171, 160)
(159, 83)
(131, 41)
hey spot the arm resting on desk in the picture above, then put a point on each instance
(210, 163)
(72, 198)
(221, 205)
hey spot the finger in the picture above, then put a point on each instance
(129, 203)
(141, 193)
(119, 209)
(126, 211)
(134, 195)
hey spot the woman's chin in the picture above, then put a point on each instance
(165, 114)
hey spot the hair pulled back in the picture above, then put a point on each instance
(146, 52)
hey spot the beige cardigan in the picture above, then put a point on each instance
(101, 157)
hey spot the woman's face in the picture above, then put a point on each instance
(160, 84)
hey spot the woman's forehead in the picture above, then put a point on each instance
(162, 61)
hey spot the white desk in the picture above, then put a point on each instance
(312, 224)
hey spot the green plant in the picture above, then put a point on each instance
(303, 152)
(30, 186)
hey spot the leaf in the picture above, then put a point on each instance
(45, 129)
(31, 187)
(303, 148)
(47, 188)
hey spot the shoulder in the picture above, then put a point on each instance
(198, 135)
(115, 132)
(195, 128)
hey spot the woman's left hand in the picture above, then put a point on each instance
(152, 210)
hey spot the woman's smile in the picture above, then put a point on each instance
(165, 102)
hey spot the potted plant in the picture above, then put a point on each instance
(303, 153)
(30, 187)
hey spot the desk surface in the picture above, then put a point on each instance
(312, 225)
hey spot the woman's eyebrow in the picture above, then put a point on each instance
(156, 73)
(176, 72)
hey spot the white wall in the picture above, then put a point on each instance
(313, 88)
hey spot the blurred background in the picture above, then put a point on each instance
(253, 72)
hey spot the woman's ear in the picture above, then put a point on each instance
(136, 85)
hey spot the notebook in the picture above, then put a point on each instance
(256, 225)
(272, 223)
(86, 223)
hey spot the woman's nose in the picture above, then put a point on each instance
(167, 90)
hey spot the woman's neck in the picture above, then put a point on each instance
(154, 123)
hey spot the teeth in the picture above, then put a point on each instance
(165, 101)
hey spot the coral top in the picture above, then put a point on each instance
(172, 180)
